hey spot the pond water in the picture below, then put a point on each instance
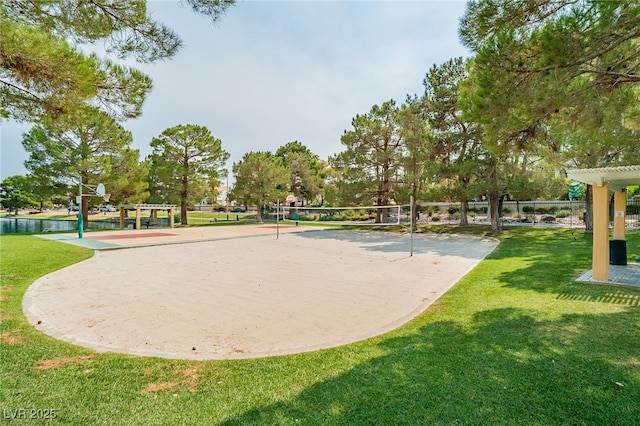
(23, 225)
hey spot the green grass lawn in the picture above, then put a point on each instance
(516, 341)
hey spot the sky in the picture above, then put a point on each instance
(272, 72)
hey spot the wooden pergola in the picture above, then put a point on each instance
(154, 212)
(604, 179)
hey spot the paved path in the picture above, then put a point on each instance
(248, 297)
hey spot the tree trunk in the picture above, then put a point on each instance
(183, 211)
(414, 212)
(379, 211)
(588, 210)
(464, 209)
(494, 211)
(259, 212)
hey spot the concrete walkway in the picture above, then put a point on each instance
(232, 297)
(628, 275)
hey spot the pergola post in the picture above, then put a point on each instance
(122, 217)
(619, 214)
(602, 179)
(171, 217)
(600, 231)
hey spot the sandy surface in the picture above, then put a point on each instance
(249, 297)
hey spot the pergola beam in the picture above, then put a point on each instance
(154, 212)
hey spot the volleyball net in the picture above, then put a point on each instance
(360, 215)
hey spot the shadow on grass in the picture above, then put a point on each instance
(506, 367)
(554, 259)
(585, 292)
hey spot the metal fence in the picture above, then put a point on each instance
(547, 213)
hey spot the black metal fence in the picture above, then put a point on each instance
(548, 213)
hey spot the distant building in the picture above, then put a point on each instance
(222, 196)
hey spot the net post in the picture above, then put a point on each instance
(277, 219)
(411, 223)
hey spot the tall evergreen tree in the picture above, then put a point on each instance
(187, 160)
(306, 170)
(535, 59)
(370, 163)
(457, 150)
(90, 146)
(561, 66)
(44, 74)
(414, 164)
(261, 178)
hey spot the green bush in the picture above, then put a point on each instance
(431, 210)
(563, 213)
(333, 218)
(482, 210)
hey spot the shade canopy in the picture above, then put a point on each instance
(618, 177)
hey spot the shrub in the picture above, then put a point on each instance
(560, 214)
(528, 209)
(332, 218)
(435, 218)
(482, 210)
(431, 210)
